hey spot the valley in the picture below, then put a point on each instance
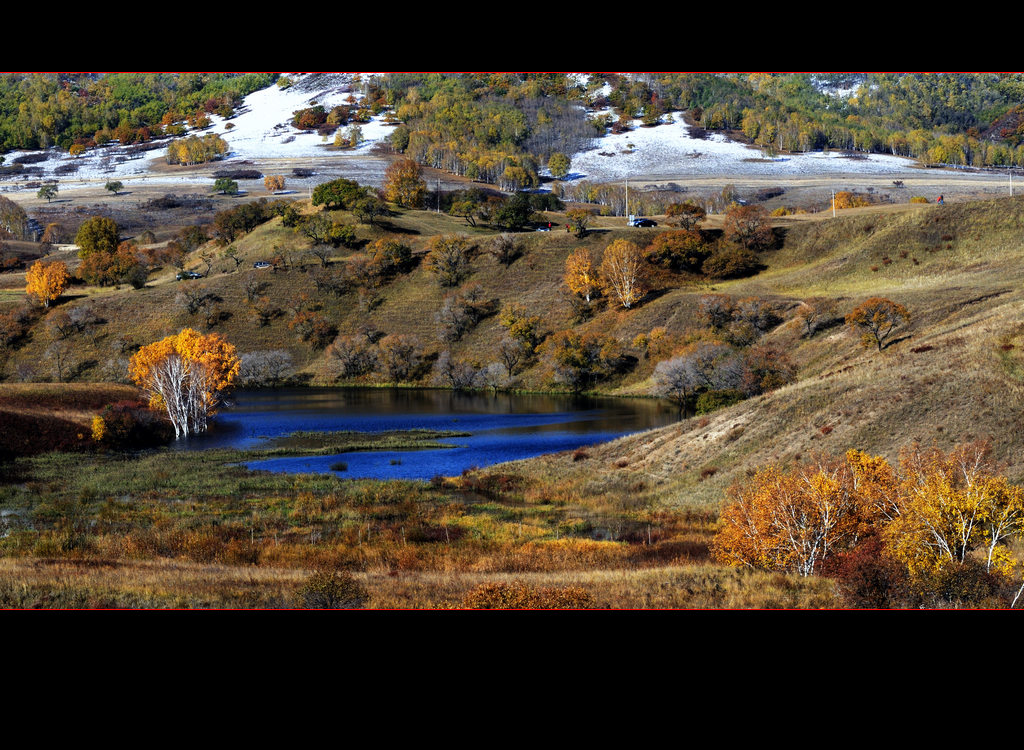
(774, 372)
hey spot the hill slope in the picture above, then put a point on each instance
(956, 373)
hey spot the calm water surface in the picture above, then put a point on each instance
(502, 427)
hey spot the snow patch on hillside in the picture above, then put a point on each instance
(668, 150)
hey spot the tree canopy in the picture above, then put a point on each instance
(47, 281)
(186, 375)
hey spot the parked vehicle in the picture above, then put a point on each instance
(182, 275)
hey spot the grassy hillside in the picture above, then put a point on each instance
(954, 373)
(629, 522)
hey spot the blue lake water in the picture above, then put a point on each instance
(502, 427)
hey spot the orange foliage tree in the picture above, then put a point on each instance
(47, 281)
(876, 320)
(580, 276)
(622, 272)
(749, 226)
(186, 374)
(404, 185)
(794, 520)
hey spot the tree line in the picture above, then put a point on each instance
(68, 109)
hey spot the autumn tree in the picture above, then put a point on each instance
(579, 220)
(749, 226)
(791, 520)
(622, 272)
(53, 234)
(685, 215)
(47, 281)
(98, 234)
(951, 505)
(398, 357)
(876, 319)
(449, 258)
(404, 185)
(815, 314)
(186, 374)
(123, 266)
(522, 326)
(580, 275)
(273, 183)
(558, 165)
(681, 250)
(579, 360)
(13, 220)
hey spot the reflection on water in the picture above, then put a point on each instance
(503, 426)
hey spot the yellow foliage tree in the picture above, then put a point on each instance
(952, 504)
(47, 281)
(404, 185)
(186, 374)
(622, 272)
(273, 182)
(580, 276)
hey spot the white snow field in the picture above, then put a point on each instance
(668, 151)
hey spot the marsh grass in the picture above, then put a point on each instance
(178, 529)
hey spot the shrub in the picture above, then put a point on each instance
(870, 578)
(129, 425)
(731, 262)
(520, 595)
(710, 401)
(332, 590)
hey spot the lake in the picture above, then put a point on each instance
(502, 427)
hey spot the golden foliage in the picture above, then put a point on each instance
(47, 281)
(186, 374)
(937, 510)
(952, 504)
(791, 520)
(404, 185)
(622, 272)
(99, 429)
(580, 276)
